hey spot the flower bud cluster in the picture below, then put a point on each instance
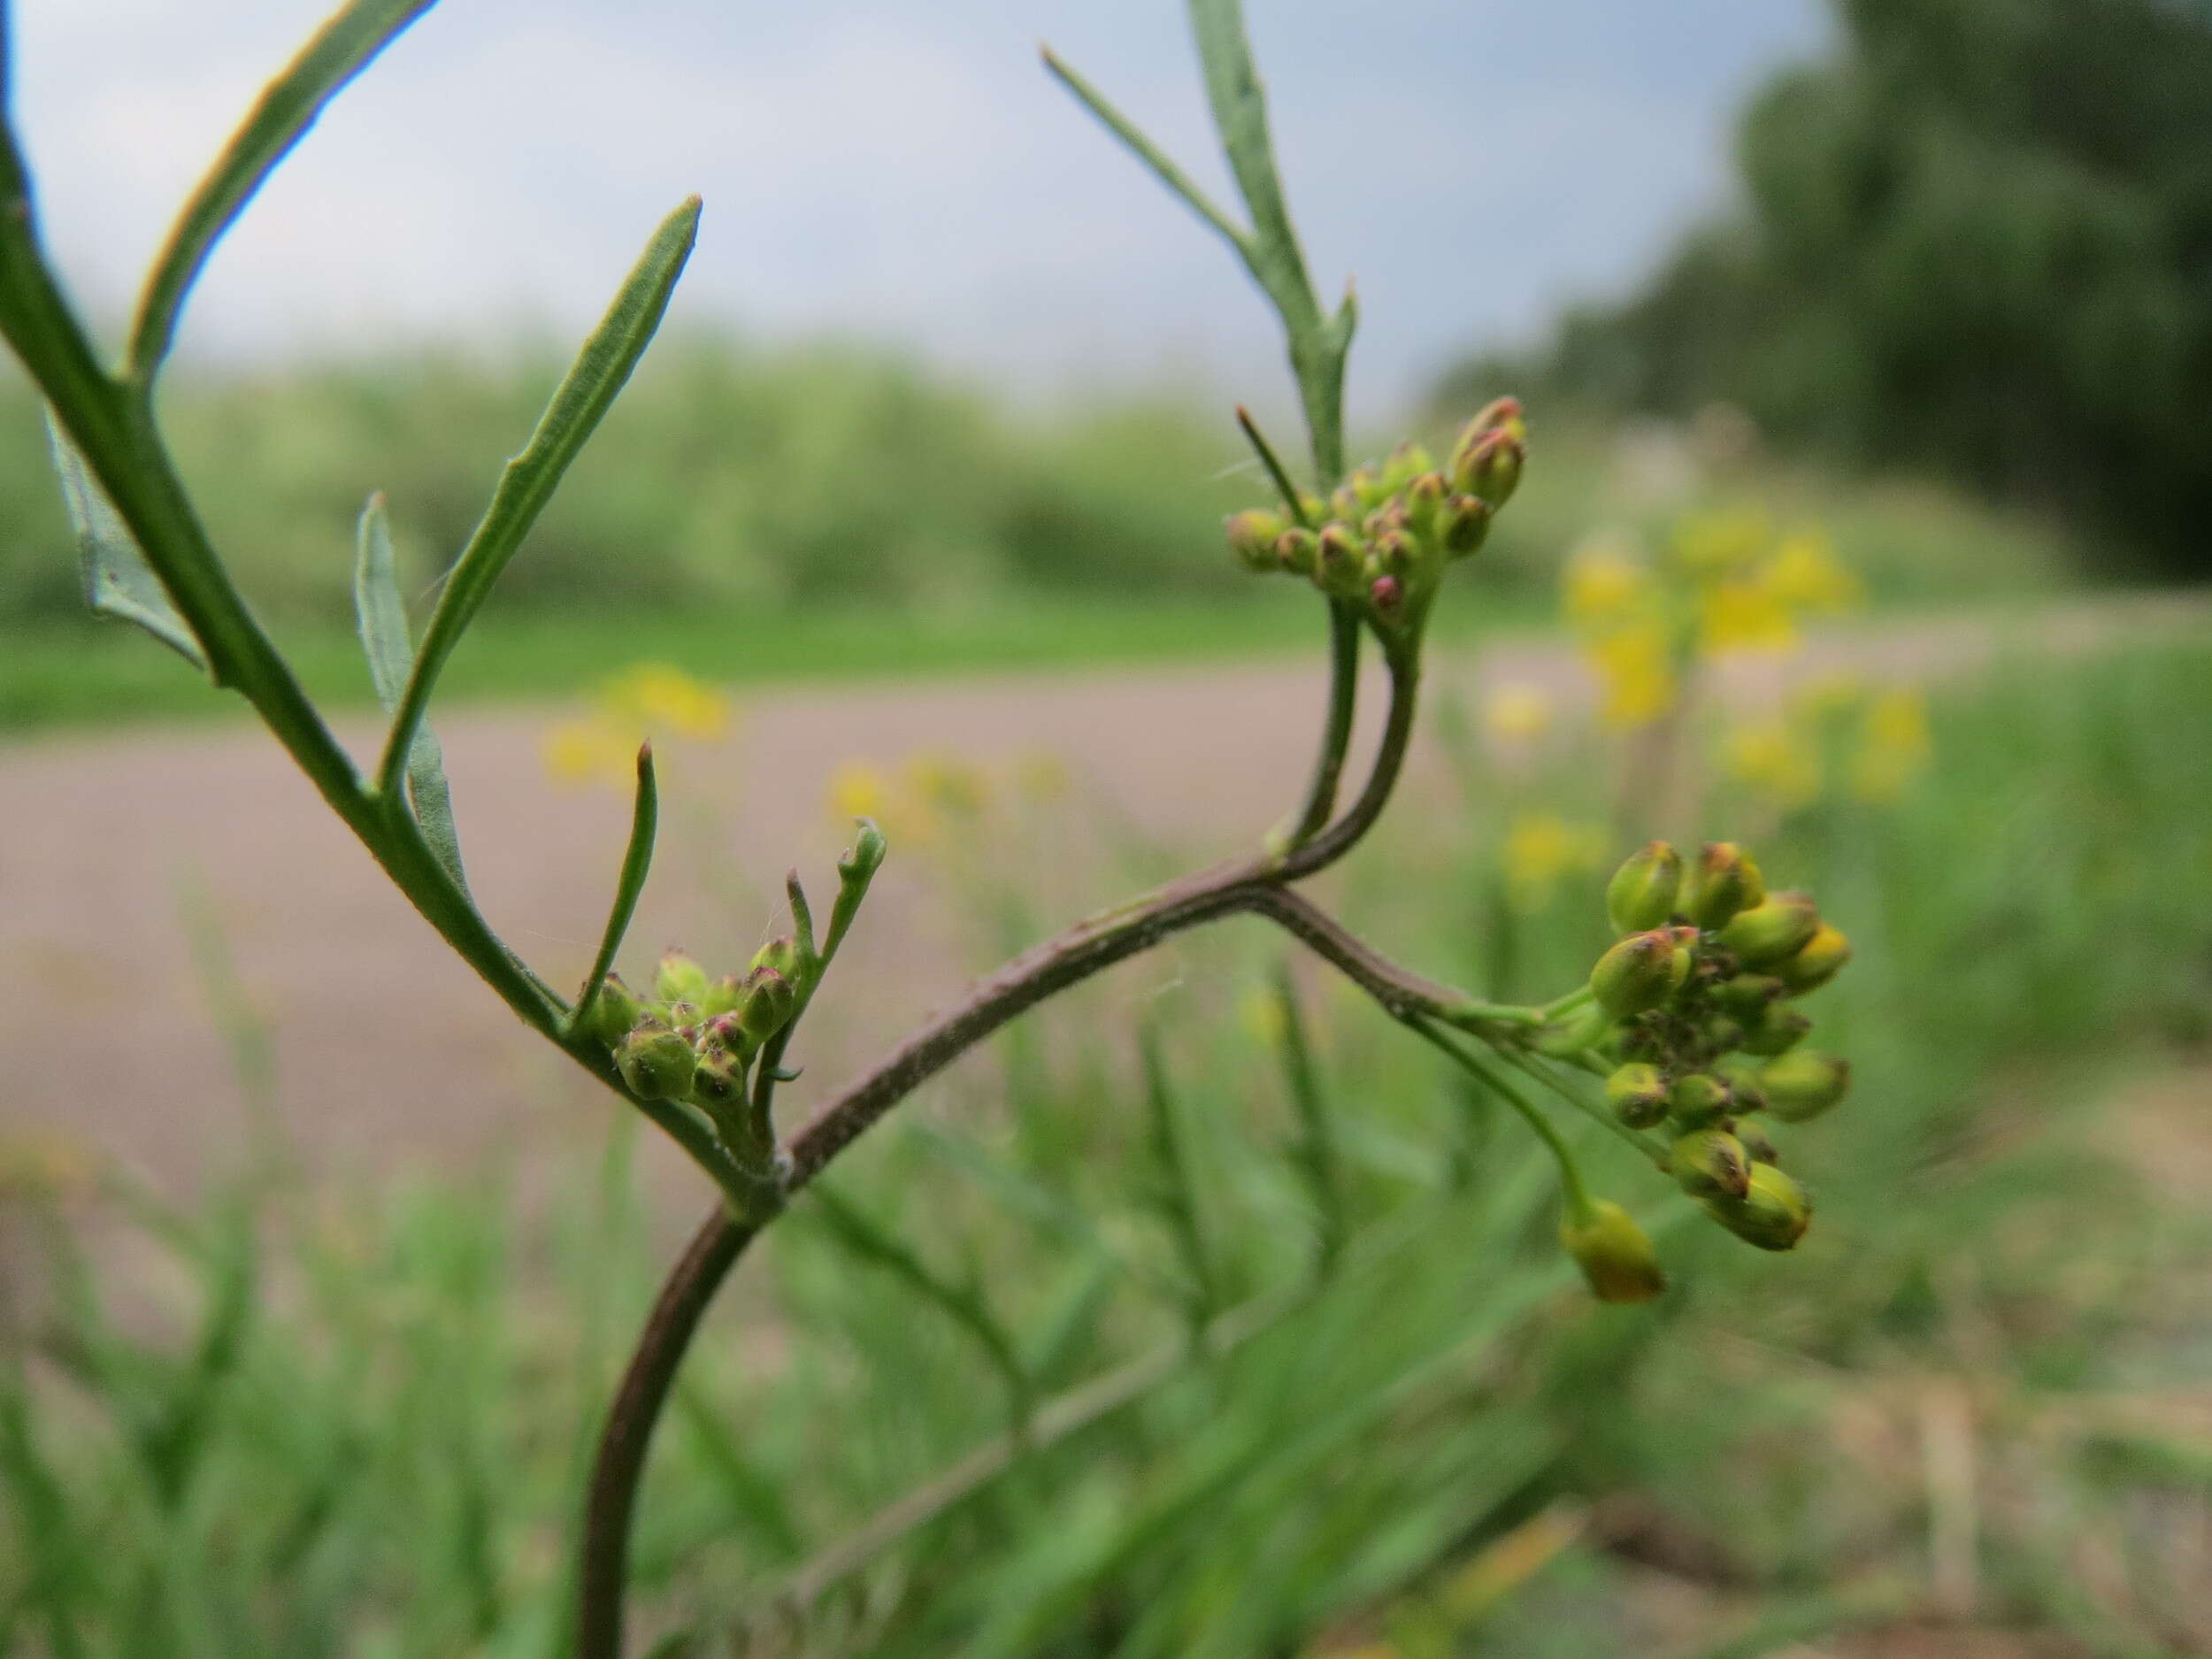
(1383, 538)
(1695, 1004)
(694, 1038)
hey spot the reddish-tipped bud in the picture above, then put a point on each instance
(1767, 933)
(1614, 1254)
(1252, 537)
(680, 979)
(1392, 550)
(1804, 1083)
(771, 999)
(614, 1011)
(1723, 881)
(1463, 524)
(1297, 550)
(1773, 1213)
(1387, 594)
(1819, 962)
(1635, 975)
(1710, 1164)
(1778, 1031)
(1500, 414)
(781, 954)
(1638, 1094)
(1425, 498)
(1698, 1098)
(718, 1084)
(1640, 896)
(656, 1062)
(1490, 467)
(726, 1032)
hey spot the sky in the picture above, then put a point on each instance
(902, 172)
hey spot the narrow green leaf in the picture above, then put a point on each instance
(579, 404)
(1149, 153)
(1239, 111)
(286, 107)
(1315, 1150)
(118, 581)
(637, 860)
(1177, 1191)
(390, 646)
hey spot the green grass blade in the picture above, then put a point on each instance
(118, 581)
(637, 862)
(1176, 1192)
(280, 118)
(1315, 1150)
(579, 404)
(390, 646)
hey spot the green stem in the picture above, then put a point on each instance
(1578, 1195)
(1597, 1115)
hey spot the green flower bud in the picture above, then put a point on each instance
(721, 996)
(1698, 1098)
(1298, 551)
(1723, 1034)
(1778, 1030)
(1747, 995)
(1252, 535)
(680, 979)
(1773, 1213)
(782, 955)
(1387, 594)
(683, 1017)
(656, 1062)
(1640, 896)
(1819, 962)
(1405, 464)
(1767, 933)
(1369, 489)
(1424, 500)
(1500, 414)
(1757, 1145)
(1393, 551)
(1746, 1093)
(719, 1082)
(1614, 1254)
(1638, 1094)
(1636, 974)
(1465, 525)
(1804, 1083)
(1345, 502)
(1490, 467)
(1337, 561)
(1710, 1164)
(769, 1001)
(614, 1011)
(1723, 882)
(726, 1032)
(865, 856)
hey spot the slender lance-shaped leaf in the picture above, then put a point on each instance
(1239, 111)
(390, 648)
(637, 859)
(118, 581)
(1149, 153)
(579, 404)
(1178, 1191)
(281, 117)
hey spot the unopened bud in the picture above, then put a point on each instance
(1778, 1030)
(1642, 895)
(1773, 1213)
(1747, 995)
(656, 1062)
(769, 1001)
(1406, 463)
(1298, 551)
(1723, 882)
(1465, 525)
(865, 856)
(1723, 1034)
(1425, 498)
(1756, 1144)
(1336, 566)
(1252, 536)
(1345, 502)
(680, 979)
(721, 996)
(1710, 1164)
(1368, 487)
(726, 1032)
(1500, 414)
(1804, 1083)
(1614, 1254)
(1636, 974)
(719, 1081)
(1490, 467)
(1767, 933)
(1819, 962)
(1698, 1098)
(1387, 594)
(614, 1011)
(1393, 551)
(1638, 1094)
(779, 954)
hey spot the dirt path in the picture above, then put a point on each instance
(386, 1049)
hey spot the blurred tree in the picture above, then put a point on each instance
(1979, 239)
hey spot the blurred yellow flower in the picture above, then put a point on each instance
(858, 788)
(588, 751)
(944, 782)
(1894, 746)
(1715, 544)
(665, 698)
(1517, 714)
(1605, 580)
(1744, 616)
(1805, 574)
(1539, 848)
(1636, 675)
(1777, 760)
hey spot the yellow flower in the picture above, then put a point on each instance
(1637, 676)
(1539, 848)
(1894, 747)
(1605, 580)
(1713, 544)
(1776, 760)
(1805, 574)
(858, 788)
(655, 694)
(1736, 615)
(1517, 714)
(946, 783)
(588, 751)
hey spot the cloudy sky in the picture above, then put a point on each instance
(902, 171)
